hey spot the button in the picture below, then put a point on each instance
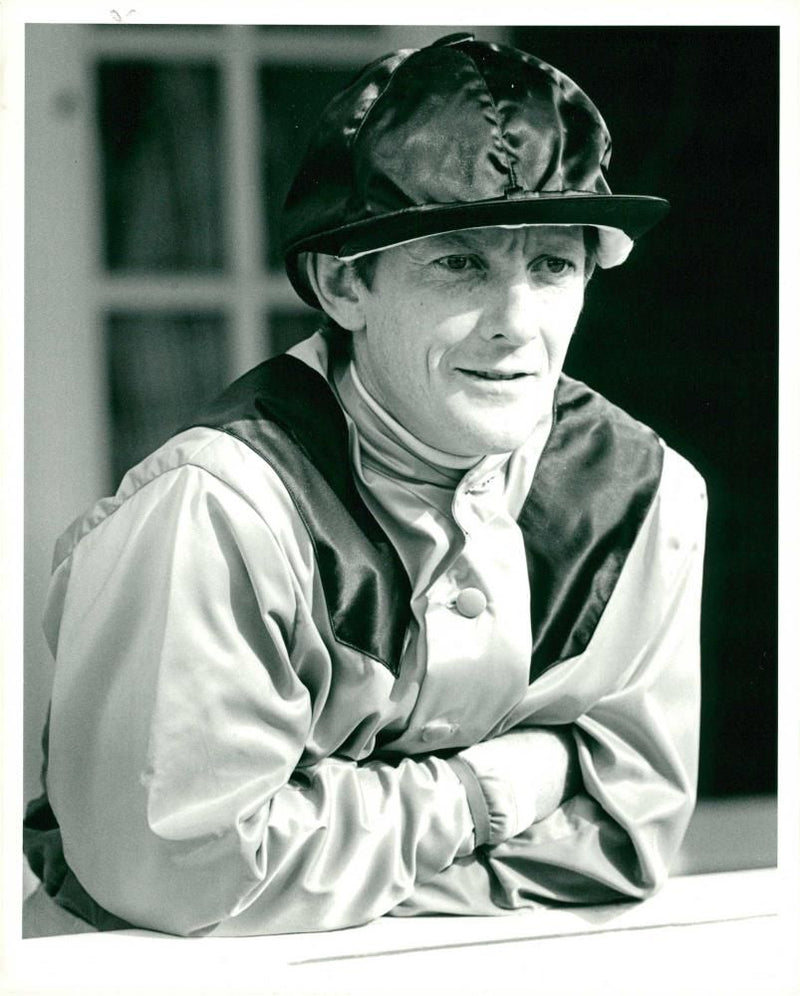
(437, 730)
(471, 602)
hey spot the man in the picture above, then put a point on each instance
(407, 621)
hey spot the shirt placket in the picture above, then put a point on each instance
(476, 628)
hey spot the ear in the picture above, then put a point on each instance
(338, 290)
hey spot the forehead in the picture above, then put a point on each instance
(499, 239)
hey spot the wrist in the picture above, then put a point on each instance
(476, 800)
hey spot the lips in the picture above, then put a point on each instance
(495, 374)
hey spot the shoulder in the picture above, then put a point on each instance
(574, 399)
(224, 462)
(682, 495)
(581, 404)
(199, 466)
(681, 476)
(679, 502)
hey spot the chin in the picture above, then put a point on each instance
(486, 429)
(482, 441)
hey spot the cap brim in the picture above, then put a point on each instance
(628, 213)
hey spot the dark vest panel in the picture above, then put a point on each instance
(593, 487)
(287, 413)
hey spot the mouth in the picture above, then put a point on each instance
(495, 375)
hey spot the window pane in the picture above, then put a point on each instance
(292, 99)
(160, 135)
(162, 367)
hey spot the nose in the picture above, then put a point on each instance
(511, 313)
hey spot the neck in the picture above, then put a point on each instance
(429, 453)
(388, 445)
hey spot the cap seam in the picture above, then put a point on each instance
(500, 131)
(379, 98)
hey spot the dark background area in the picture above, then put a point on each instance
(685, 335)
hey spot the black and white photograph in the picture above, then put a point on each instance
(400, 515)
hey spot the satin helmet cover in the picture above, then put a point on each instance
(461, 134)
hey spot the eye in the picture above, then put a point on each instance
(554, 266)
(457, 263)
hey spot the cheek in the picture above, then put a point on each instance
(561, 321)
(422, 347)
(400, 365)
(448, 336)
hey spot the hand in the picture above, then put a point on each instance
(524, 776)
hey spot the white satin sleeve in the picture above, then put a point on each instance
(632, 702)
(188, 683)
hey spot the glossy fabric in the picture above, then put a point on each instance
(457, 135)
(220, 762)
(593, 487)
